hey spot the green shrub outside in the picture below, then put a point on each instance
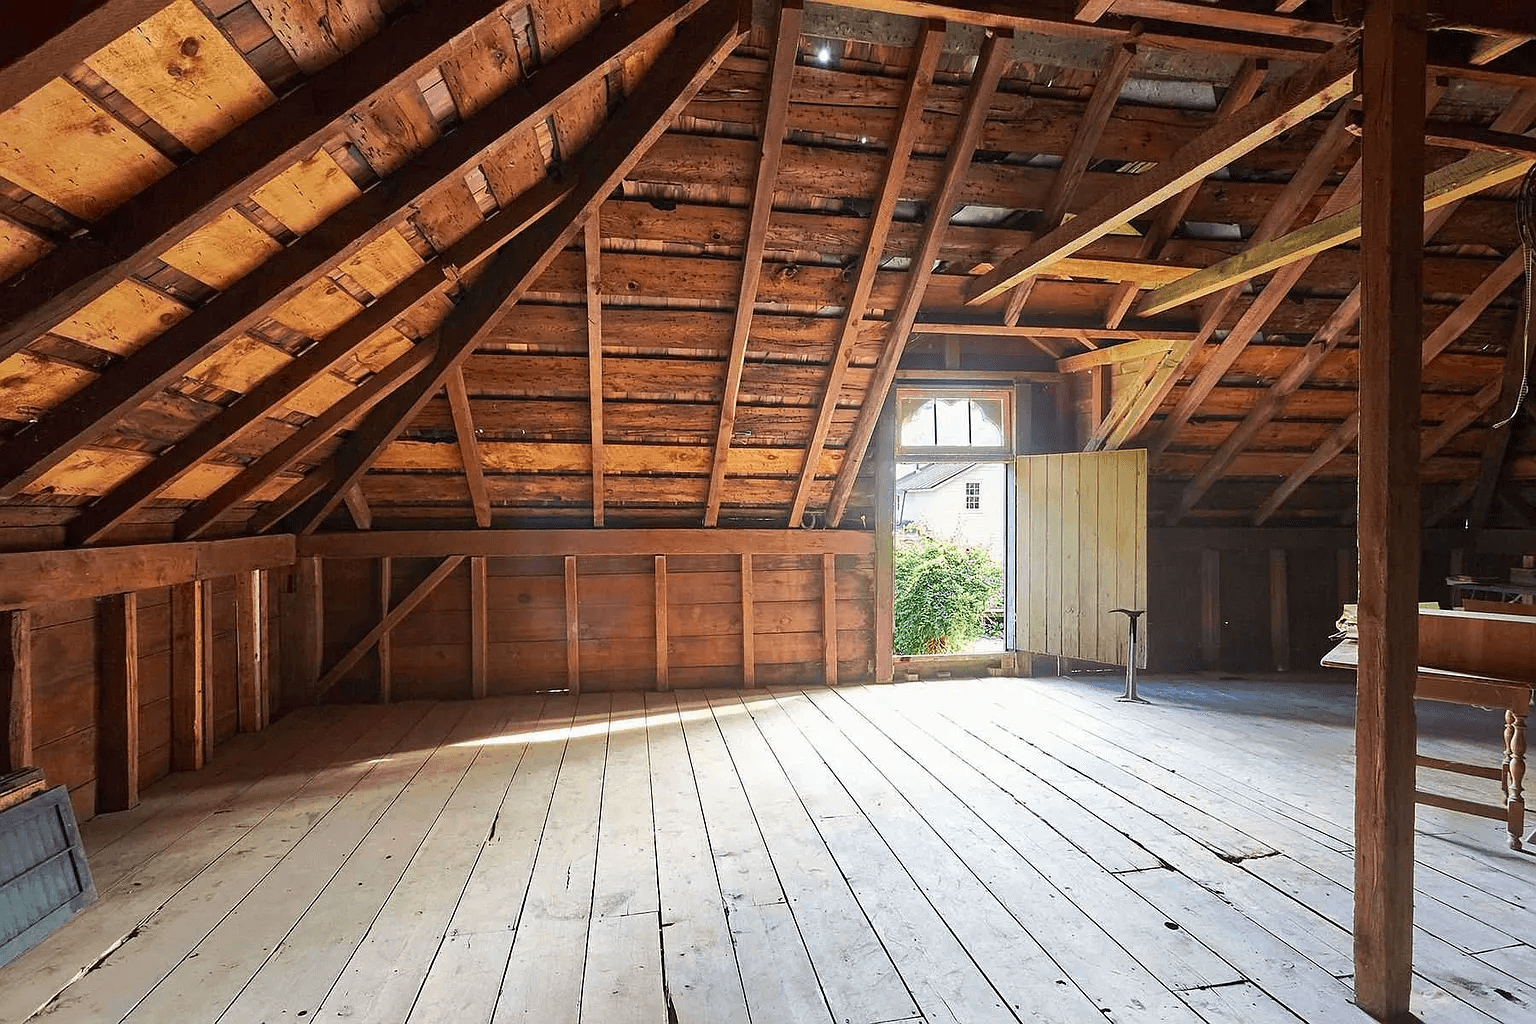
(942, 593)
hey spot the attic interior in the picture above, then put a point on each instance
(450, 557)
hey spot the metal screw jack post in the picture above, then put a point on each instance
(1129, 696)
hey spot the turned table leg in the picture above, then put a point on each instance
(1514, 775)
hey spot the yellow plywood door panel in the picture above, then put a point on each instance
(1082, 552)
(181, 71)
(58, 144)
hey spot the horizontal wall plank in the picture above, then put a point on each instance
(442, 543)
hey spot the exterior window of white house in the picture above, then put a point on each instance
(973, 496)
(955, 422)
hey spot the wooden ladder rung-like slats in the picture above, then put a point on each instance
(1452, 803)
(1461, 768)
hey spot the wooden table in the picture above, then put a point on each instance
(1512, 696)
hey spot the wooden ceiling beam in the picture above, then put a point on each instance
(781, 70)
(469, 447)
(434, 277)
(1449, 184)
(49, 39)
(592, 245)
(957, 163)
(698, 48)
(1310, 90)
(1319, 163)
(1449, 329)
(1085, 142)
(1144, 391)
(909, 121)
(125, 241)
(1245, 85)
(199, 518)
(246, 303)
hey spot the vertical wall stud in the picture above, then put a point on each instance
(748, 626)
(385, 651)
(572, 629)
(477, 625)
(663, 679)
(205, 600)
(1210, 608)
(188, 679)
(117, 769)
(1279, 611)
(16, 686)
(251, 662)
(311, 627)
(829, 619)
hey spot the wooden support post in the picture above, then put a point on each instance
(385, 652)
(189, 679)
(477, 623)
(663, 682)
(885, 528)
(829, 619)
(748, 626)
(1279, 611)
(117, 766)
(572, 629)
(251, 672)
(16, 686)
(1391, 255)
(1210, 608)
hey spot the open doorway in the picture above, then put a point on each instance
(951, 522)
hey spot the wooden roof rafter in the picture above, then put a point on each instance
(167, 212)
(786, 46)
(1449, 329)
(1296, 194)
(1085, 143)
(909, 119)
(1338, 325)
(699, 46)
(433, 278)
(957, 164)
(1475, 173)
(1310, 90)
(1244, 86)
(1306, 183)
(250, 299)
